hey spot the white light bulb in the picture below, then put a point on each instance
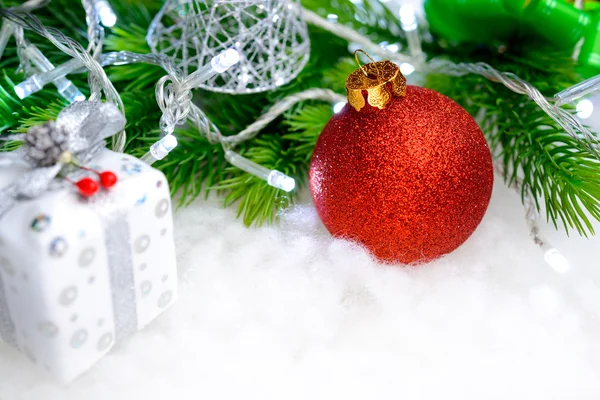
(273, 177)
(407, 69)
(585, 109)
(160, 149)
(69, 91)
(218, 64)
(225, 60)
(408, 19)
(20, 91)
(106, 13)
(557, 261)
(65, 87)
(28, 87)
(338, 106)
(163, 147)
(170, 142)
(393, 47)
(281, 181)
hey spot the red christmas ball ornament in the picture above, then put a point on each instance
(108, 179)
(405, 171)
(87, 187)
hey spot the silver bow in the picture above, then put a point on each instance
(86, 125)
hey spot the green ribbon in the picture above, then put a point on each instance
(557, 21)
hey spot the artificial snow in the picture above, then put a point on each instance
(287, 312)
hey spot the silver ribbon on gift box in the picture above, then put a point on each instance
(82, 128)
(85, 125)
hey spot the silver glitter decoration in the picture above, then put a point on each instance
(141, 200)
(132, 168)
(48, 329)
(58, 247)
(105, 342)
(165, 299)
(270, 35)
(79, 338)
(162, 208)
(142, 243)
(40, 223)
(68, 296)
(146, 288)
(87, 256)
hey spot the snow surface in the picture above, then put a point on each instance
(287, 312)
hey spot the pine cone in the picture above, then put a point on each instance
(44, 144)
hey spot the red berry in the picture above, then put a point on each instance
(108, 179)
(87, 187)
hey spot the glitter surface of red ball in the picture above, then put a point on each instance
(411, 182)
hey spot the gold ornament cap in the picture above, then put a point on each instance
(380, 79)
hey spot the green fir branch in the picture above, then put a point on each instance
(556, 170)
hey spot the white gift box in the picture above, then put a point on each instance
(77, 275)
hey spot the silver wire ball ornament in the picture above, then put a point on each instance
(270, 35)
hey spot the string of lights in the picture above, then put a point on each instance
(173, 91)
